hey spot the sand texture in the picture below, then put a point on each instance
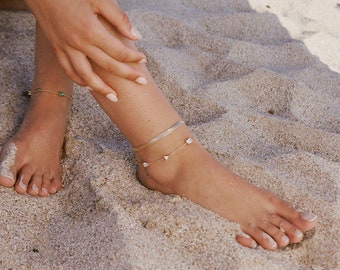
(258, 83)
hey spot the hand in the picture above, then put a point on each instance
(77, 36)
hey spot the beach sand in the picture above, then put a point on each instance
(257, 82)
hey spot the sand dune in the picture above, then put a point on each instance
(248, 79)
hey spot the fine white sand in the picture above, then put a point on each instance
(258, 83)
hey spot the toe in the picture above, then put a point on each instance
(293, 233)
(261, 237)
(7, 180)
(34, 185)
(280, 238)
(246, 240)
(55, 185)
(22, 183)
(46, 182)
(303, 221)
(7, 162)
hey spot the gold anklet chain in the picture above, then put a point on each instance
(39, 90)
(159, 136)
(146, 164)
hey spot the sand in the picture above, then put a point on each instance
(258, 83)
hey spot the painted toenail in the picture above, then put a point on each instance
(308, 217)
(253, 244)
(285, 240)
(271, 241)
(44, 191)
(53, 190)
(35, 188)
(298, 234)
(21, 184)
(282, 229)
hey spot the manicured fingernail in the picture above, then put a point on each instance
(141, 80)
(112, 97)
(308, 216)
(298, 234)
(35, 188)
(136, 33)
(142, 61)
(271, 241)
(285, 240)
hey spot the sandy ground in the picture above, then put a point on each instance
(258, 82)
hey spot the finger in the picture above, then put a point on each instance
(112, 13)
(94, 82)
(68, 68)
(84, 70)
(117, 68)
(115, 48)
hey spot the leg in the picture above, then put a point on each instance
(13, 5)
(142, 112)
(30, 160)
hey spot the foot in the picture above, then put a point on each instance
(30, 160)
(191, 172)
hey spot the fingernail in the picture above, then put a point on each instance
(112, 97)
(285, 240)
(35, 188)
(298, 234)
(136, 33)
(142, 61)
(141, 80)
(308, 217)
(271, 241)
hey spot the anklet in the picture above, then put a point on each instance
(39, 90)
(146, 164)
(159, 136)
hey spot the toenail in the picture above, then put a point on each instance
(308, 216)
(53, 190)
(253, 244)
(44, 191)
(271, 241)
(21, 184)
(298, 234)
(35, 188)
(282, 229)
(285, 240)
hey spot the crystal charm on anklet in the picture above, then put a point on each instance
(166, 157)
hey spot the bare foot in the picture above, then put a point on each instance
(266, 220)
(30, 160)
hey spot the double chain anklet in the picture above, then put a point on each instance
(39, 90)
(155, 139)
(146, 164)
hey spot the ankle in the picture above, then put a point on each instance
(160, 165)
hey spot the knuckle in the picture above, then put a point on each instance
(125, 19)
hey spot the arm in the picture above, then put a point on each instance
(77, 36)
